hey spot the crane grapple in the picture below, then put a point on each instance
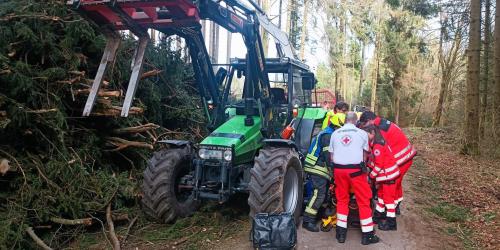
(137, 16)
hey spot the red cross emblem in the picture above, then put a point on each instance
(346, 140)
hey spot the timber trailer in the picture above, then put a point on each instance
(244, 152)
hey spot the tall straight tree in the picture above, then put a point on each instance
(471, 145)
(486, 65)
(304, 30)
(496, 112)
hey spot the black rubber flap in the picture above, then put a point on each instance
(274, 231)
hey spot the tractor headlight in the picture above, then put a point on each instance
(228, 155)
(215, 153)
(203, 153)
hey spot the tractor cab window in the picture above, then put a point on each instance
(299, 95)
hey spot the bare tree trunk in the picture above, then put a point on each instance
(304, 31)
(397, 96)
(373, 101)
(496, 111)
(442, 89)
(471, 145)
(264, 34)
(341, 59)
(214, 42)
(486, 68)
(228, 47)
(361, 70)
(344, 56)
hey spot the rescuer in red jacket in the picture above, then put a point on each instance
(398, 142)
(347, 148)
(384, 173)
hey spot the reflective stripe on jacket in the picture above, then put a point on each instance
(397, 140)
(383, 163)
(317, 159)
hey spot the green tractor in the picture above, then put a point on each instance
(243, 155)
(244, 152)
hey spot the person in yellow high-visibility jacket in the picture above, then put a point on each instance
(336, 117)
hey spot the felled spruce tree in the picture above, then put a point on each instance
(57, 164)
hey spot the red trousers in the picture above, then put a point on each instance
(399, 181)
(362, 192)
(386, 199)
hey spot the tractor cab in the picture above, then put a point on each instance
(291, 87)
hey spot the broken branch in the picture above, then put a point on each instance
(42, 111)
(122, 144)
(111, 226)
(150, 73)
(136, 129)
(37, 240)
(128, 228)
(84, 221)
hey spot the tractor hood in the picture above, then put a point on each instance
(233, 133)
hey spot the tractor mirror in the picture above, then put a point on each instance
(308, 81)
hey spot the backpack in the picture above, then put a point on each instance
(273, 231)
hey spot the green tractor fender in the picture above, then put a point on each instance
(281, 143)
(175, 143)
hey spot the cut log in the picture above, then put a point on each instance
(115, 111)
(103, 93)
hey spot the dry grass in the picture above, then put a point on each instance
(466, 189)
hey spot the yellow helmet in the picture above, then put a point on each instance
(338, 120)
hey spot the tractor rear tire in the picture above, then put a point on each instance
(161, 177)
(276, 182)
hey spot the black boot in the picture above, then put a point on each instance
(341, 234)
(398, 210)
(378, 217)
(369, 238)
(310, 226)
(388, 225)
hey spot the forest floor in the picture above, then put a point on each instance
(451, 201)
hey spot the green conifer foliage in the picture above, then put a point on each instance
(60, 163)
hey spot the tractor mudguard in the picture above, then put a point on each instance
(175, 143)
(280, 143)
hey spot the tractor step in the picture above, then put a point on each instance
(137, 16)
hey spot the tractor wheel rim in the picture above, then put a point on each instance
(290, 190)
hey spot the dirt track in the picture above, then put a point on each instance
(413, 233)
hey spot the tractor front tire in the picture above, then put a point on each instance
(160, 200)
(276, 182)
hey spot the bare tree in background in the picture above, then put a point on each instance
(496, 111)
(472, 104)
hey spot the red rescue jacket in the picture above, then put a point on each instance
(401, 148)
(383, 164)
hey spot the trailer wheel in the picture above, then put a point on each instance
(276, 182)
(163, 198)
